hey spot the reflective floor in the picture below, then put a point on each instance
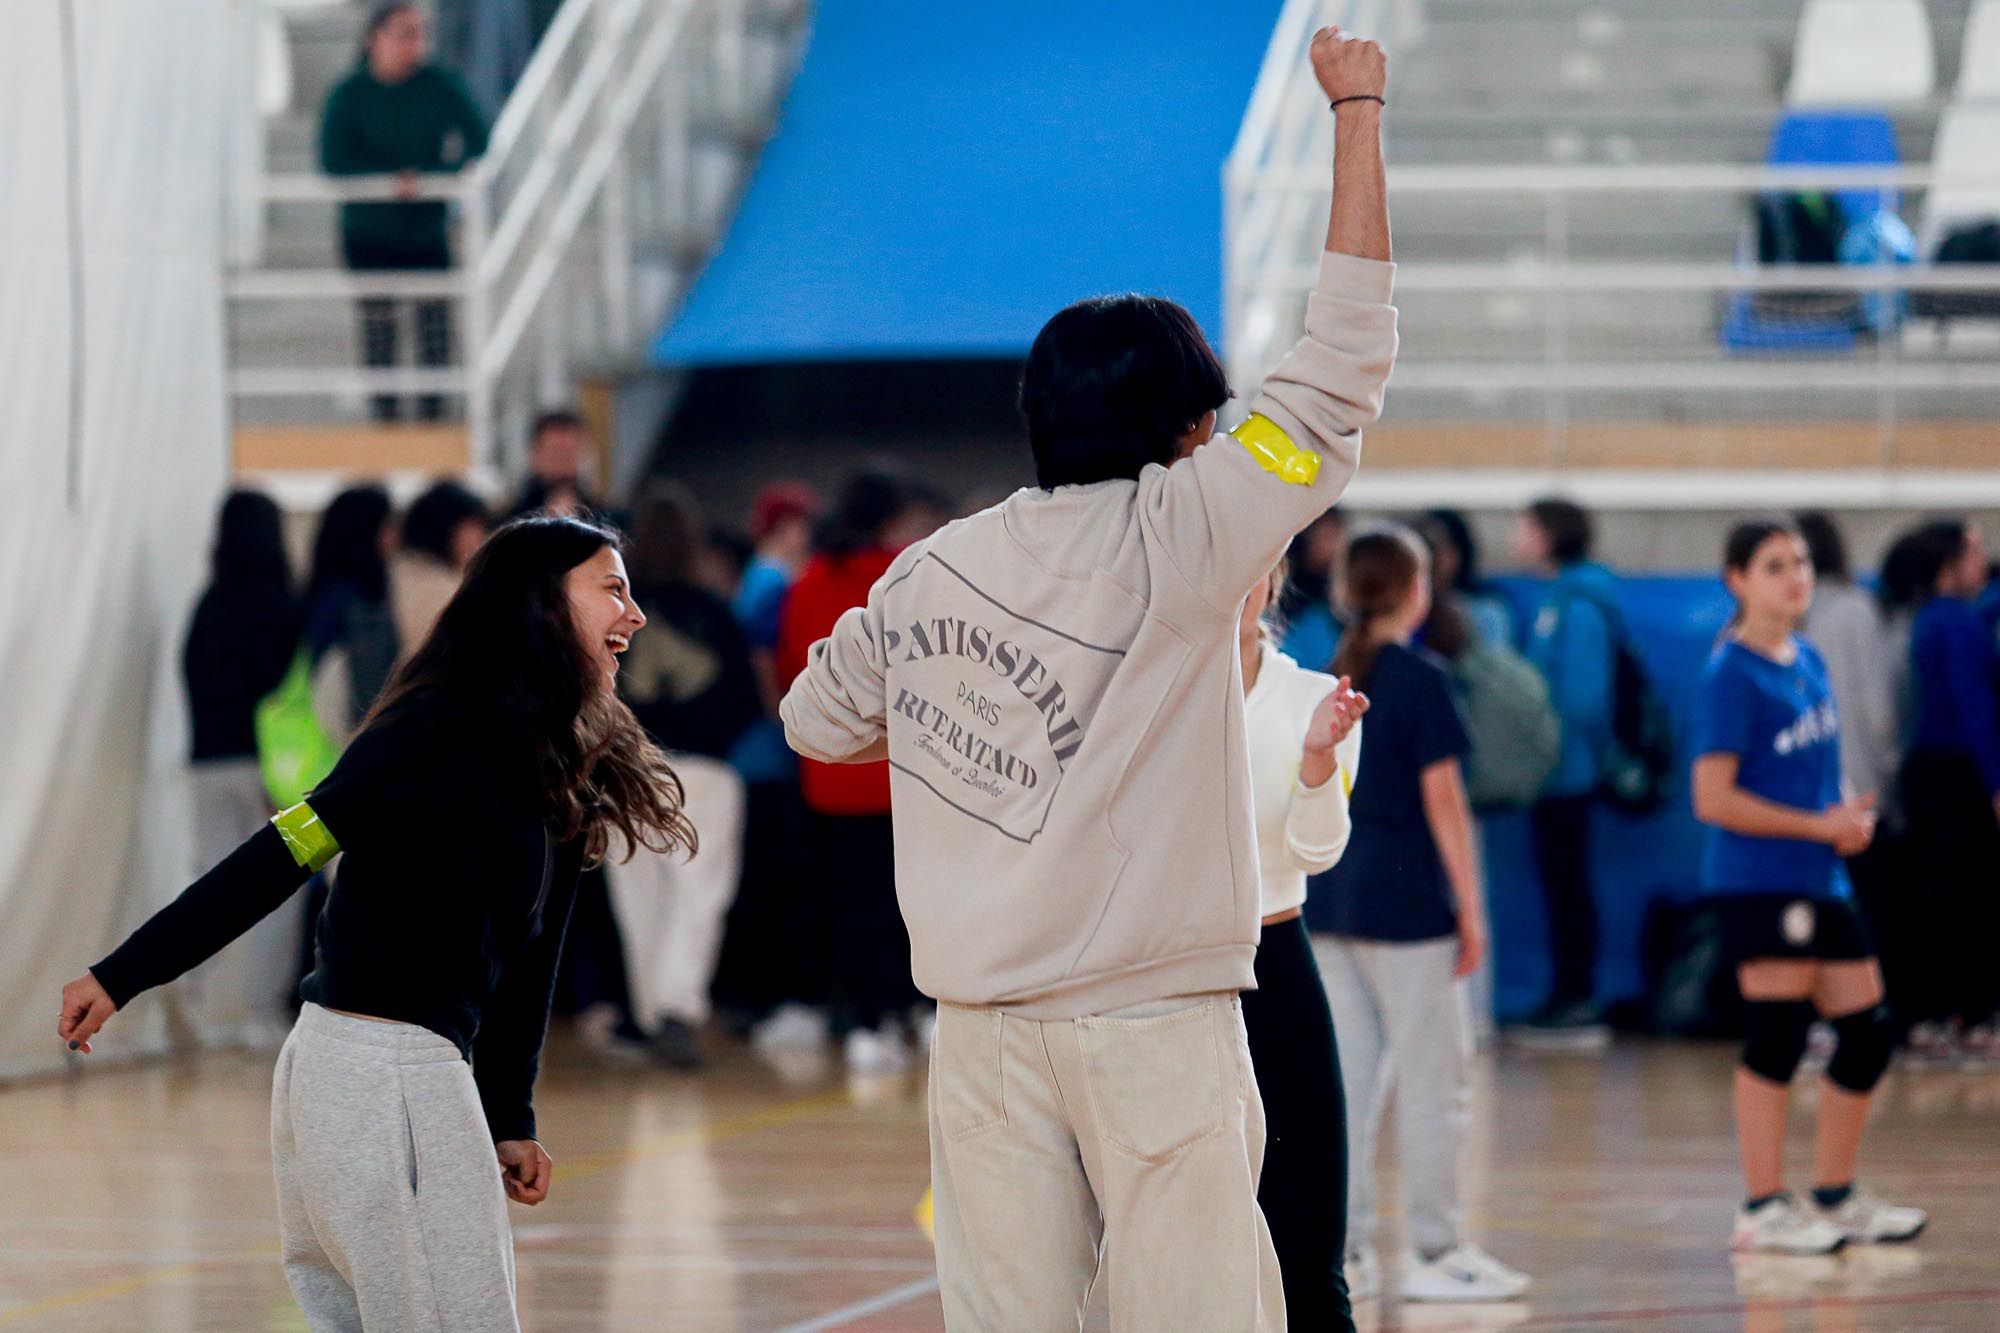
(139, 1198)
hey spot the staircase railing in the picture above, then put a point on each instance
(607, 178)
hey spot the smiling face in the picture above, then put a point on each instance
(602, 609)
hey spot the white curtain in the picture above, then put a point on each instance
(114, 119)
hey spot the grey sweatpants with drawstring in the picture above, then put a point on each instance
(390, 1205)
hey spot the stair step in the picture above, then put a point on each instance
(360, 450)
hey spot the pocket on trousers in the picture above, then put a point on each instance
(968, 1081)
(410, 1142)
(1156, 1083)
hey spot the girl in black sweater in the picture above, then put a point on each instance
(499, 763)
(238, 646)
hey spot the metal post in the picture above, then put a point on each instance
(554, 381)
(733, 60)
(614, 245)
(1885, 361)
(482, 444)
(1555, 334)
(675, 179)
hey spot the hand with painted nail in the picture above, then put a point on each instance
(85, 1007)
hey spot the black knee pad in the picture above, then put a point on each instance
(1866, 1042)
(1774, 1037)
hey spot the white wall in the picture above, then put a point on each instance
(113, 453)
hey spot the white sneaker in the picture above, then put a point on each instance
(791, 1027)
(1363, 1270)
(1463, 1273)
(1866, 1220)
(873, 1052)
(1783, 1226)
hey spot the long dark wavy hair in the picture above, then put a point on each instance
(348, 546)
(506, 650)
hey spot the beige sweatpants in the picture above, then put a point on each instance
(243, 995)
(390, 1207)
(1138, 1134)
(671, 907)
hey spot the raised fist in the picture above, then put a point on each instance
(1348, 66)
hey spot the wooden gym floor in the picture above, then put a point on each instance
(139, 1198)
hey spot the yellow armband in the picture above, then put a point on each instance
(310, 842)
(1275, 452)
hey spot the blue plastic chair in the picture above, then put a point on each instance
(1842, 138)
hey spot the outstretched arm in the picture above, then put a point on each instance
(1348, 68)
(242, 890)
(1225, 513)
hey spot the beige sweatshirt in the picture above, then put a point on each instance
(1059, 684)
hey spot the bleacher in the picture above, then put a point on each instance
(1575, 187)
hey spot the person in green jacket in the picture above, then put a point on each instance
(397, 112)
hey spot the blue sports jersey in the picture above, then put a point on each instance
(1780, 721)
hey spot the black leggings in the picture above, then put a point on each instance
(1304, 1188)
(871, 969)
(381, 318)
(1562, 853)
(1954, 845)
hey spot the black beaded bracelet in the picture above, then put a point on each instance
(1334, 105)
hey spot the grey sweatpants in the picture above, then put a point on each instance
(390, 1206)
(1402, 1022)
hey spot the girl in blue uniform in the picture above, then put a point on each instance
(1767, 779)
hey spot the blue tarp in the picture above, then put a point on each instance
(1674, 622)
(946, 177)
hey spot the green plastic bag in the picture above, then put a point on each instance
(294, 753)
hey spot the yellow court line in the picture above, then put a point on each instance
(700, 1136)
(126, 1285)
(590, 1164)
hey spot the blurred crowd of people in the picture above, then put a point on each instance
(1915, 666)
(786, 928)
(786, 925)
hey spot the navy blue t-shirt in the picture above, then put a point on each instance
(1391, 885)
(1779, 720)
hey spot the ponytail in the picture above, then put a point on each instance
(1384, 562)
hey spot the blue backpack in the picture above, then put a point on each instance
(1636, 772)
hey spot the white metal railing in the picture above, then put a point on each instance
(605, 180)
(1567, 299)
(1559, 236)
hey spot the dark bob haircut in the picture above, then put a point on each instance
(1568, 527)
(1112, 384)
(1823, 539)
(433, 518)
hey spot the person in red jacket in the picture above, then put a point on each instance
(849, 803)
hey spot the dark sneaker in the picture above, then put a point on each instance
(676, 1045)
(1576, 1026)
